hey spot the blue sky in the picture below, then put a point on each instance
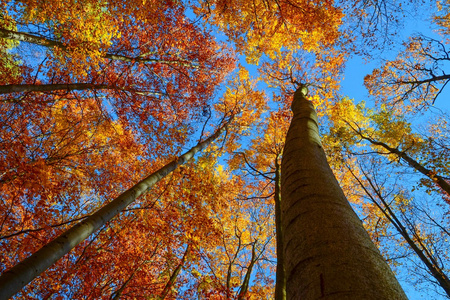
(418, 22)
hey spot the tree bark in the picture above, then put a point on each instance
(328, 253)
(20, 275)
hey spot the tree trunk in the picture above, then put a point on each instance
(20, 88)
(38, 40)
(328, 254)
(20, 275)
(245, 283)
(439, 180)
(174, 275)
(280, 280)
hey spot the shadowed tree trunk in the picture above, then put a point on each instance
(174, 275)
(328, 254)
(439, 180)
(20, 275)
(280, 282)
(245, 283)
(20, 88)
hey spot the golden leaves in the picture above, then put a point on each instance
(265, 27)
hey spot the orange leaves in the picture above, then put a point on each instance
(414, 79)
(264, 27)
(442, 17)
(321, 71)
(86, 29)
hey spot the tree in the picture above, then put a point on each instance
(14, 279)
(404, 223)
(261, 27)
(413, 234)
(328, 253)
(262, 161)
(97, 94)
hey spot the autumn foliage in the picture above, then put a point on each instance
(95, 96)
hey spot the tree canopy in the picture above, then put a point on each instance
(95, 96)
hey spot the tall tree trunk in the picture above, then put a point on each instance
(280, 280)
(328, 253)
(439, 180)
(20, 88)
(20, 275)
(174, 275)
(415, 241)
(38, 40)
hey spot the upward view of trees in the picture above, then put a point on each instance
(171, 150)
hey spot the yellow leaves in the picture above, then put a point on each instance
(196, 273)
(86, 29)
(345, 111)
(242, 98)
(222, 173)
(265, 27)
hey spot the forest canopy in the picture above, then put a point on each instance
(142, 143)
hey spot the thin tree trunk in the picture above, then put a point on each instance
(20, 88)
(439, 180)
(174, 275)
(328, 253)
(245, 283)
(20, 275)
(38, 40)
(280, 280)
(116, 295)
(420, 249)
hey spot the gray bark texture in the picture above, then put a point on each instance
(20, 275)
(328, 253)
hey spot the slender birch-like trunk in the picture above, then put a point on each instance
(328, 254)
(245, 283)
(20, 275)
(66, 87)
(173, 277)
(439, 180)
(280, 281)
(415, 241)
(38, 40)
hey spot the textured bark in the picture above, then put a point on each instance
(328, 253)
(20, 275)
(280, 281)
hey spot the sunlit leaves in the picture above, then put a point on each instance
(415, 78)
(264, 27)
